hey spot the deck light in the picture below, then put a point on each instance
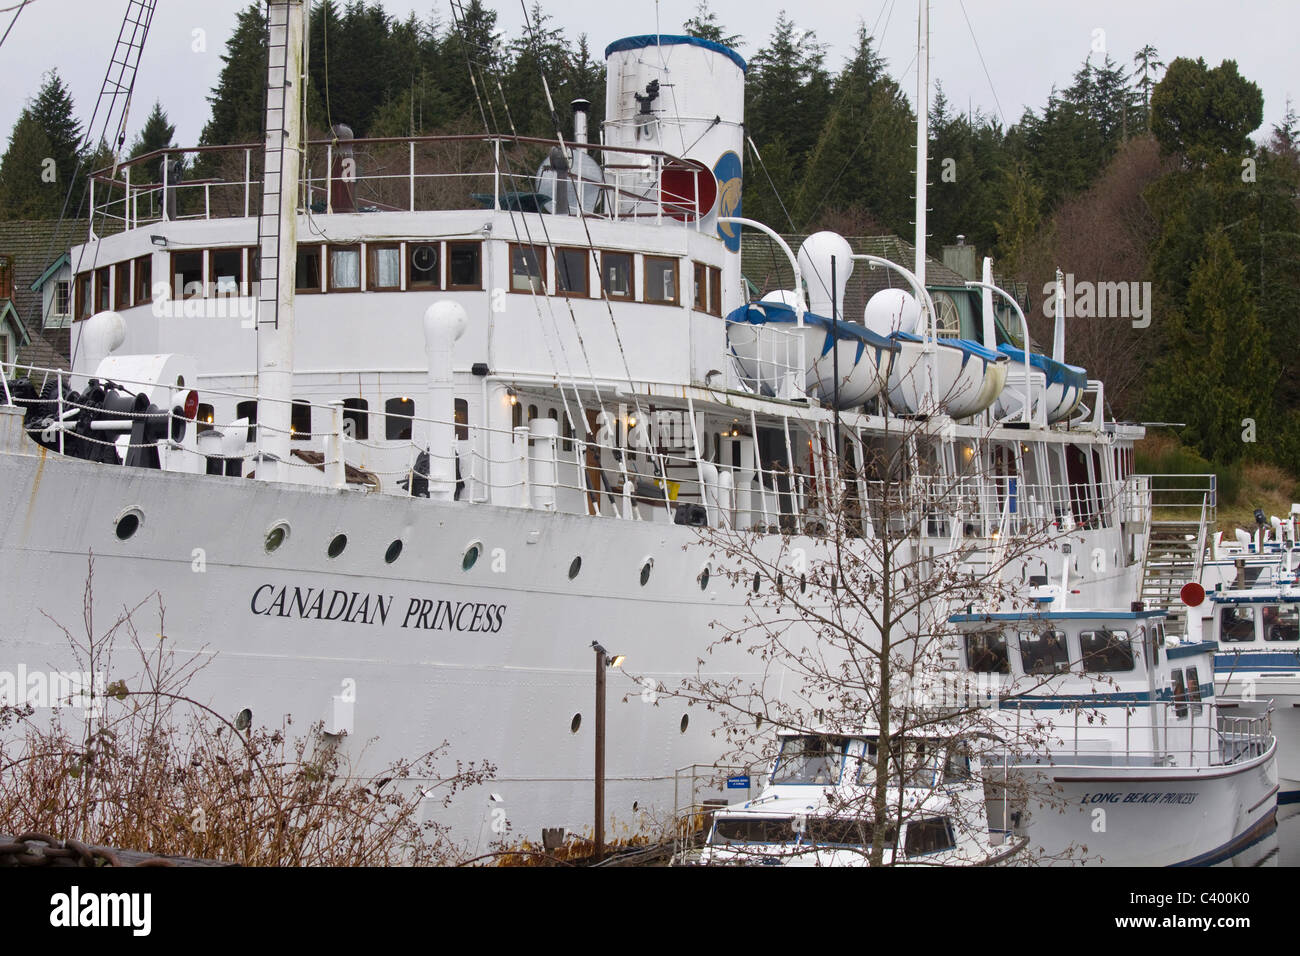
(514, 399)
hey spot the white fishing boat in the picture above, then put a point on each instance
(813, 809)
(394, 428)
(1138, 764)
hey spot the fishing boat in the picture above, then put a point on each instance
(813, 809)
(1116, 748)
(393, 428)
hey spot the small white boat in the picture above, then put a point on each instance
(1140, 767)
(814, 809)
(956, 377)
(1055, 388)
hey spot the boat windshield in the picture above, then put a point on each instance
(1044, 652)
(810, 759)
(986, 652)
(1106, 651)
(749, 829)
(1236, 623)
(1281, 623)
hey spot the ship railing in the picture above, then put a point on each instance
(406, 174)
(699, 791)
(618, 470)
(1179, 732)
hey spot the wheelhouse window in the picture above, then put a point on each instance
(398, 413)
(344, 268)
(701, 288)
(661, 280)
(839, 831)
(1044, 652)
(527, 268)
(571, 271)
(464, 265)
(814, 760)
(309, 269)
(1236, 623)
(715, 291)
(143, 280)
(227, 268)
(122, 285)
(85, 302)
(187, 274)
(616, 274)
(1180, 693)
(461, 415)
(424, 266)
(986, 653)
(356, 418)
(204, 418)
(1194, 690)
(749, 829)
(1281, 623)
(1105, 651)
(102, 277)
(930, 835)
(384, 267)
(300, 421)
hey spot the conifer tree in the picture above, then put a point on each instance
(26, 188)
(156, 133)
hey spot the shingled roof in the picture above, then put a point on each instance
(34, 244)
(766, 267)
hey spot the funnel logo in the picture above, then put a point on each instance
(728, 172)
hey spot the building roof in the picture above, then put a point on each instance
(36, 246)
(766, 267)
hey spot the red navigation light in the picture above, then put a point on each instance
(1192, 594)
(191, 404)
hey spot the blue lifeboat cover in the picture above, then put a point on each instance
(665, 39)
(1058, 373)
(966, 345)
(762, 313)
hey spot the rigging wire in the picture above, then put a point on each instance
(21, 7)
(980, 53)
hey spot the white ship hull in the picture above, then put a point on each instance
(499, 671)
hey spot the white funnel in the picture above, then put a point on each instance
(815, 261)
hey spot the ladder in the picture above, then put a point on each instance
(269, 222)
(1182, 515)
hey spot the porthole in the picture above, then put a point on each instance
(686, 722)
(128, 524)
(803, 584)
(704, 578)
(471, 556)
(244, 719)
(394, 551)
(758, 721)
(575, 723)
(635, 805)
(758, 581)
(645, 571)
(276, 536)
(574, 567)
(337, 544)
(780, 583)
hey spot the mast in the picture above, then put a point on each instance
(922, 129)
(277, 235)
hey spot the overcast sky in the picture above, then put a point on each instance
(1027, 45)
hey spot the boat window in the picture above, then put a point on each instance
(300, 423)
(398, 413)
(1281, 623)
(527, 269)
(423, 269)
(571, 271)
(204, 418)
(814, 760)
(616, 274)
(660, 280)
(1194, 690)
(715, 290)
(122, 285)
(143, 280)
(248, 410)
(187, 275)
(986, 652)
(1044, 652)
(929, 836)
(867, 764)
(85, 304)
(345, 268)
(356, 418)
(384, 267)
(464, 265)
(102, 300)
(1236, 623)
(840, 831)
(227, 267)
(701, 288)
(1105, 651)
(914, 763)
(956, 766)
(752, 830)
(309, 271)
(1180, 693)
(461, 416)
